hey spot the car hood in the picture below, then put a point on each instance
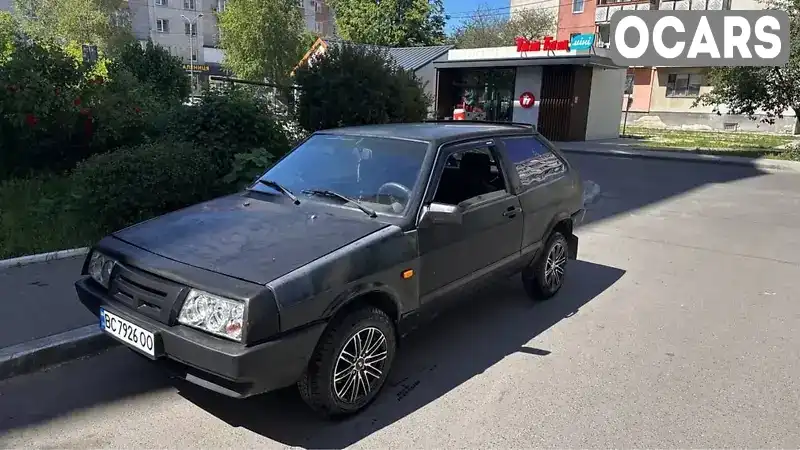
(253, 240)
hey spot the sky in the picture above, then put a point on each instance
(463, 7)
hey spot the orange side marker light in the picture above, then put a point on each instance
(408, 273)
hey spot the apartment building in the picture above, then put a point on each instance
(662, 96)
(189, 29)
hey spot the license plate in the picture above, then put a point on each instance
(131, 334)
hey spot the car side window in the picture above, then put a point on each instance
(533, 161)
(467, 175)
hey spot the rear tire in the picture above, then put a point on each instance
(350, 364)
(545, 277)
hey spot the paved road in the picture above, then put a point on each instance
(679, 327)
(38, 300)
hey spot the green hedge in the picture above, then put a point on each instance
(132, 184)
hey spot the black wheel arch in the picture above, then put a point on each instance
(380, 296)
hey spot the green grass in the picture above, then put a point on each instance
(750, 145)
(34, 217)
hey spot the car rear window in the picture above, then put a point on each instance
(533, 161)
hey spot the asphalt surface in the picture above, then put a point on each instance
(679, 327)
(39, 300)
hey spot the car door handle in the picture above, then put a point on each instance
(511, 212)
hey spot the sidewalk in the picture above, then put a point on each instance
(625, 148)
(39, 300)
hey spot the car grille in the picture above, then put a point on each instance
(147, 294)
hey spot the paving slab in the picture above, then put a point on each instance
(39, 300)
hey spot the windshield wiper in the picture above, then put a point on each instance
(329, 193)
(280, 189)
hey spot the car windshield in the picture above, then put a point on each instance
(379, 173)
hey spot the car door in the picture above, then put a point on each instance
(490, 232)
(541, 181)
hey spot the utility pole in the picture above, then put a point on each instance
(192, 30)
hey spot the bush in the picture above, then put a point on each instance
(227, 121)
(56, 110)
(131, 184)
(33, 217)
(357, 85)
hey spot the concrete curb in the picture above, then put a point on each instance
(48, 351)
(759, 163)
(43, 257)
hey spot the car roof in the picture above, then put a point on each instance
(432, 131)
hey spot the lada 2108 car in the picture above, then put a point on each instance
(357, 236)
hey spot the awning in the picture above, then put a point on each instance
(572, 60)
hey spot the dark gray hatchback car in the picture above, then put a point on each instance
(356, 237)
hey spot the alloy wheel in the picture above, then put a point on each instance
(360, 365)
(555, 266)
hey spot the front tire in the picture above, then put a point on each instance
(350, 364)
(545, 277)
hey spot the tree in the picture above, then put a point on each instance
(99, 22)
(356, 85)
(153, 65)
(765, 90)
(263, 39)
(485, 28)
(391, 23)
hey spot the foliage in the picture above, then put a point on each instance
(99, 22)
(485, 28)
(227, 122)
(8, 34)
(263, 39)
(761, 90)
(354, 85)
(153, 65)
(247, 166)
(391, 23)
(57, 110)
(40, 88)
(132, 184)
(34, 219)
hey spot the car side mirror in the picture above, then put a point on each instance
(440, 214)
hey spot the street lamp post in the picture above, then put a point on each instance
(192, 28)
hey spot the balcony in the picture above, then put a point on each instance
(605, 8)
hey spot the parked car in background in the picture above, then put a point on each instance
(352, 240)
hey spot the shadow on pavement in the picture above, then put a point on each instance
(628, 184)
(459, 345)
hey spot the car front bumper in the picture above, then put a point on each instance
(223, 366)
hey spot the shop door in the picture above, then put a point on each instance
(564, 102)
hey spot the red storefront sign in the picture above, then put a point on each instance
(548, 43)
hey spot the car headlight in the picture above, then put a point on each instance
(216, 315)
(100, 268)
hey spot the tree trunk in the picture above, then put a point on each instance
(796, 110)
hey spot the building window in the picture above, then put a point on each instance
(194, 55)
(629, 84)
(684, 84)
(189, 4)
(577, 6)
(162, 25)
(190, 29)
(161, 2)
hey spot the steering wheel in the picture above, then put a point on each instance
(405, 193)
